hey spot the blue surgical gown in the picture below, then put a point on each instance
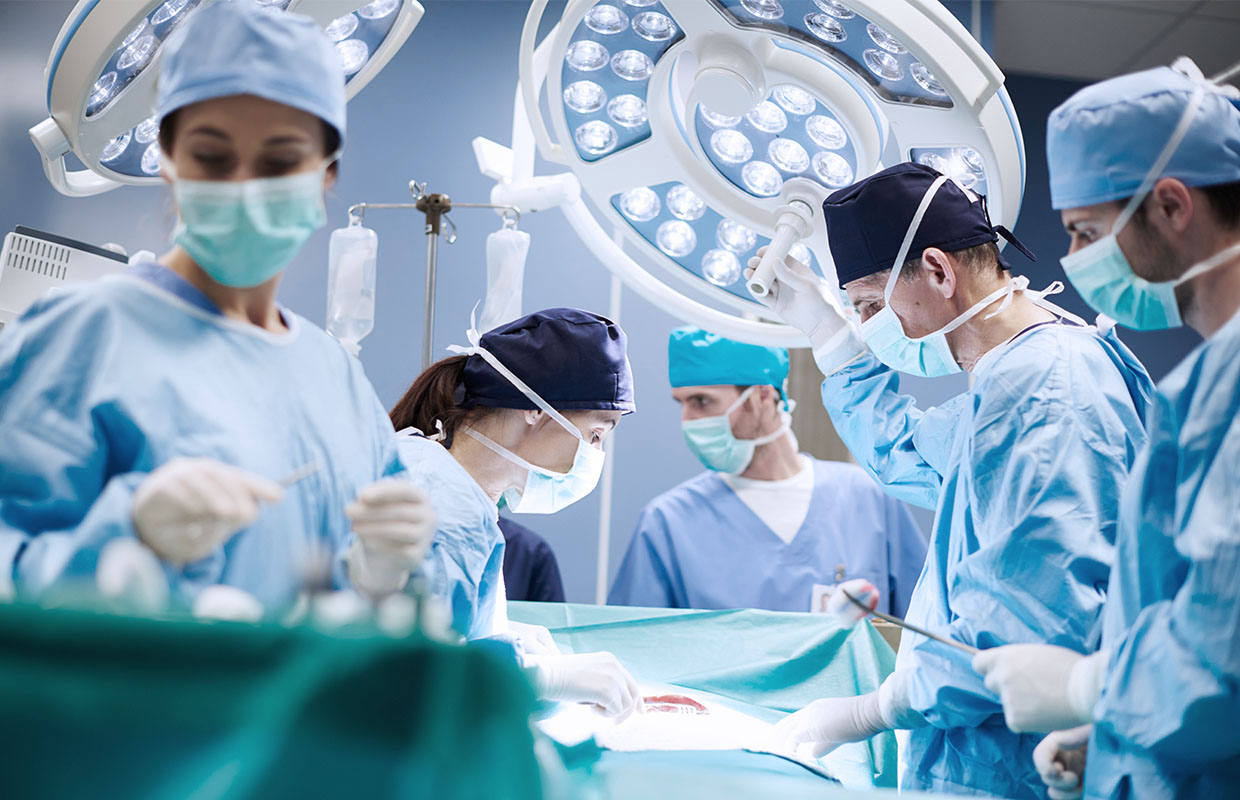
(104, 383)
(466, 562)
(1025, 470)
(1168, 720)
(699, 546)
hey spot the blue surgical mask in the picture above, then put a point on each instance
(243, 233)
(712, 441)
(1103, 276)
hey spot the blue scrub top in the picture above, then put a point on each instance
(1025, 470)
(101, 384)
(699, 546)
(1167, 718)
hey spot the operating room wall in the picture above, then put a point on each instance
(453, 81)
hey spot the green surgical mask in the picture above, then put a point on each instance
(712, 441)
(243, 233)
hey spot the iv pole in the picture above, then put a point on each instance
(435, 206)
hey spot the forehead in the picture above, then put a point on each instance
(718, 390)
(246, 114)
(867, 287)
(1094, 213)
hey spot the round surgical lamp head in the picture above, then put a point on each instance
(103, 67)
(690, 124)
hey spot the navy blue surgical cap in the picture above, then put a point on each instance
(867, 222)
(573, 359)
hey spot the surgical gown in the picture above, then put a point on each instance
(1025, 470)
(699, 546)
(466, 562)
(104, 383)
(1167, 717)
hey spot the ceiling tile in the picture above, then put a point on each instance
(1209, 42)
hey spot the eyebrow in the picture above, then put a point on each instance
(207, 130)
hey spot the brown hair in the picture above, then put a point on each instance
(432, 397)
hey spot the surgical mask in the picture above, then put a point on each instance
(928, 356)
(712, 441)
(243, 233)
(1103, 276)
(544, 492)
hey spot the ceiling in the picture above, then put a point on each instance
(1095, 39)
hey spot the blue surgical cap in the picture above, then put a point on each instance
(1104, 139)
(700, 358)
(231, 48)
(867, 222)
(573, 359)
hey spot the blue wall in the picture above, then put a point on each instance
(454, 80)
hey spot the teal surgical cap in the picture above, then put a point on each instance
(1104, 139)
(699, 358)
(239, 47)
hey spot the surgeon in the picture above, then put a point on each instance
(1145, 170)
(519, 417)
(167, 404)
(1024, 469)
(764, 526)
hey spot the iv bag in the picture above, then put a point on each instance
(351, 285)
(506, 251)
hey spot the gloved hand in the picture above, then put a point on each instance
(596, 678)
(832, 721)
(190, 506)
(1060, 759)
(845, 611)
(1042, 687)
(395, 524)
(799, 297)
(535, 639)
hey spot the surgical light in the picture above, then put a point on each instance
(753, 112)
(103, 67)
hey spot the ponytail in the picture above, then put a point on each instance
(432, 398)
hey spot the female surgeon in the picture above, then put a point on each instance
(179, 403)
(519, 417)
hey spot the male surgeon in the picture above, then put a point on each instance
(1145, 171)
(764, 526)
(1024, 469)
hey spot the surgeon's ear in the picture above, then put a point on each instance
(939, 271)
(1170, 206)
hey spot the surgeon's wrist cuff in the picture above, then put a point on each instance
(835, 346)
(374, 576)
(1085, 684)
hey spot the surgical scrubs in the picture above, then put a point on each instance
(466, 561)
(1025, 470)
(1167, 718)
(104, 383)
(699, 546)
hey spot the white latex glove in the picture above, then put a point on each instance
(799, 297)
(596, 678)
(535, 639)
(227, 603)
(190, 506)
(1042, 687)
(845, 611)
(1060, 759)
(394, 523)
(826, 724)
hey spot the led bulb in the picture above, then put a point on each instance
(606, 19)
(133, 35)
(934, 161)
(586, 56)
(101, 92)
(684, 203)
(762, 179)
(926, 80)
(147, 130)
(114, 148)
(595, 137)
(168, 10)
(628, 111)
(832, 169)
(826, 28)
(794, 99)
(641, 3)
(584, 97)
(885, 40)
(763, 9)
(731, 235)
(676, 238)
(139, 53)
(640, 204)
(732, 146)
(341, 28)
(826, 132)
(353, 55)
(378, 9)
(150, 159)
(972, 159)
(801, 253)
(721, 267)
(718, 120)
(632, 65)
(884, 65)
(788, 155)
(653, 26)
(767, 117)
(835, 9)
